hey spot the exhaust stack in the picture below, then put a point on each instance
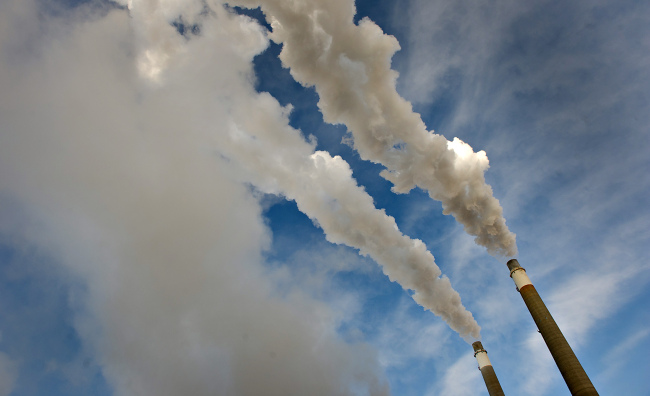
(489, 376)
(574, 375)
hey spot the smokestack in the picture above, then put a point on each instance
(574, 375)
(489, 376)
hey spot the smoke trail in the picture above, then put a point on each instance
(277, 159)
(324, 189)
(349, 65)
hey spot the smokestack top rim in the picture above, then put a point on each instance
(478, 347)
(513, 264)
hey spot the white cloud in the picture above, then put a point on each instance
(462, 378)
(617, 356)
(403, 338)
(537, 371)
(577, 305)
(8, 374)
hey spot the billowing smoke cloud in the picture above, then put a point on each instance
(349, 65)
(278, 160)
(121, 181)
(131, 153)
(324, 189)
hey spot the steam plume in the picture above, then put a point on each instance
(278, 160)
(121, 178)
(349, 65)
(128, 143)
(324, 189)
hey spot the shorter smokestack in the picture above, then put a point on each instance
(489, 376)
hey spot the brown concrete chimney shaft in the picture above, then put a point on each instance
(489, 376)
(574, 375)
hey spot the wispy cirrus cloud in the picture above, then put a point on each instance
(8, 374)
(461, 378)
(556, 94)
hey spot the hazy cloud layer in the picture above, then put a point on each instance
(8, 374)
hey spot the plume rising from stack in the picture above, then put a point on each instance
(267, 152)
(145, 207)
(487, 371)
(574, 375)
(350, 67)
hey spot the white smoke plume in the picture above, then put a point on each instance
(324, 189)
(349, 65)
(278, 160)
(129, 143)
(122, 185)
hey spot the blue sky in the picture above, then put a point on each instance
(141, 253)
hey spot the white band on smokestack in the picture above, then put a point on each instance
(482, 359)
(518, 274)
(481, 355)
(520, 277)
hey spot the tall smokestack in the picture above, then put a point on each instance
(574, 375)
(489, 376)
